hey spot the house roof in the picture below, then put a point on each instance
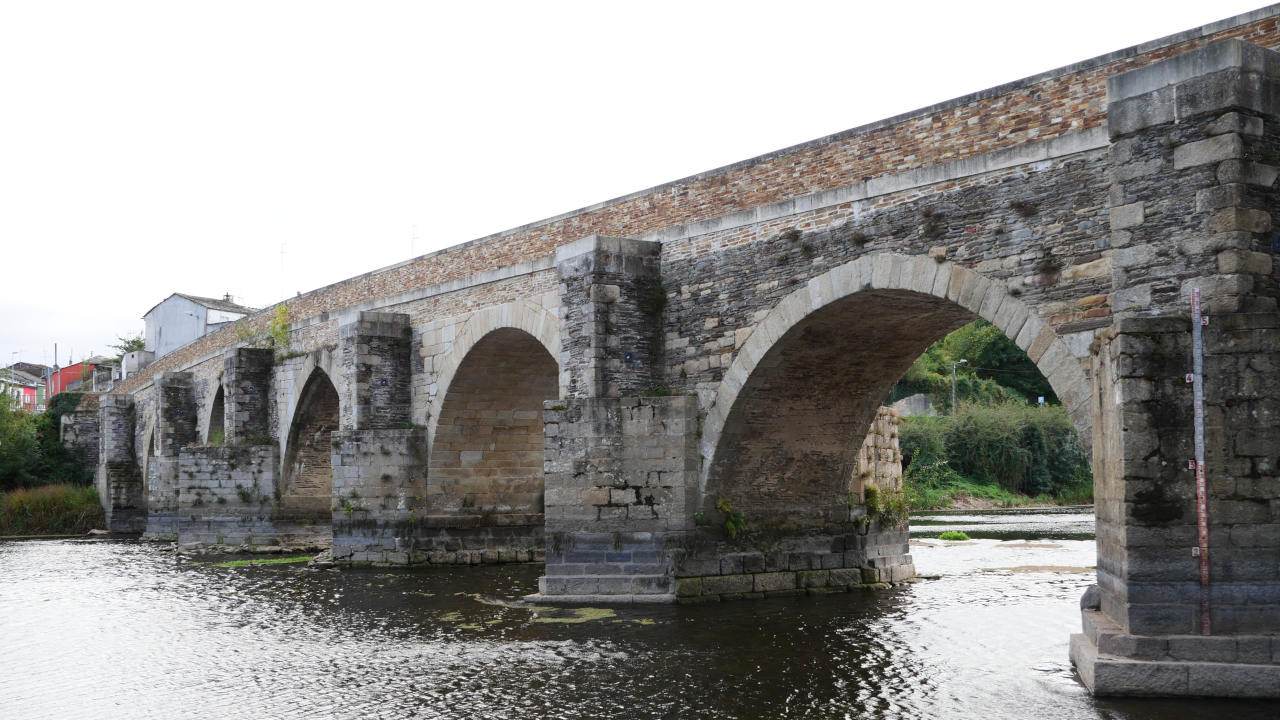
(13, 375)
(32, 369)
(211, 303)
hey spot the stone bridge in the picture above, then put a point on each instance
(612, 388)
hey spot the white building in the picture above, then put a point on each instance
(179, 319)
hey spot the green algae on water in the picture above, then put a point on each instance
(578, 615)
(265, 561)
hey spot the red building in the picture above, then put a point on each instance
(77, 377)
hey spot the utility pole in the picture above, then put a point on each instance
(953, 384)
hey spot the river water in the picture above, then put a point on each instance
(121, 629)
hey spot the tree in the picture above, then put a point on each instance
(128, 344)
(20, 451)
(995, 371)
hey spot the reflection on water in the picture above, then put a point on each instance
(124, 629)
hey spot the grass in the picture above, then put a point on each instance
(953, 535)
(51, 510)
(265, 561)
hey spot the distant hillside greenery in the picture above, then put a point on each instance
(995, 370)
(1000, 445)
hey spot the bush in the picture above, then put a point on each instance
(31, 454)
(994, 451)
(50, 510)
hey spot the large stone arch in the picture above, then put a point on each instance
(535, 321)
(487, 451)
(306, 480)
(949, 295)
(323, 361)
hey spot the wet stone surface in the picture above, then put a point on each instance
(108, 629)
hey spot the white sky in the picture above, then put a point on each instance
(152, 148)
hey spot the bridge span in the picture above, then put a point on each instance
(609, 389)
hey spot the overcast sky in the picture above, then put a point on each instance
(265, 148)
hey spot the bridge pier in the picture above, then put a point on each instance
(1194, 162)
(119, 481)
(175, 429)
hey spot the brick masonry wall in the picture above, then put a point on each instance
(1046, 106)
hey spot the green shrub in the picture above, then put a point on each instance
(50, 510)
(953, 535)
(998, 452)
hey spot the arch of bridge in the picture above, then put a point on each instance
(921, 275)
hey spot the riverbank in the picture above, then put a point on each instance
(50, 510)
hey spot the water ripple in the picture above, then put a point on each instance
(122, 629)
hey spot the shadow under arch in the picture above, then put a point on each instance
(487, 450)
(146, 466)
(306, 490)
(802, 391)
(538, 323)
(215, 428)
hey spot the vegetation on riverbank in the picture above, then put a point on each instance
(1007, 455)
(50, 510)
(31, 454)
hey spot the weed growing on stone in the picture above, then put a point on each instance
(734, 521)
(953, 535)
(655, 390)
(279, 331)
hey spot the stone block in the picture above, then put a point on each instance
(728, 584)
(1211, 150)
(1244, 261)
(813, 578)
(1096, 268)
(770, 581)
(1234, 680)
(1239, 219)
(1234, 122)
(1127, 216)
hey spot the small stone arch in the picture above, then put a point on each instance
(145, 465)
(215, 424)
(535, 321)
(922, 276)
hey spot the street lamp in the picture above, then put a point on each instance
(953, 384)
